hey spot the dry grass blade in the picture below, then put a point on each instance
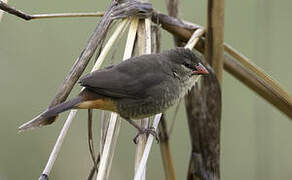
(108, 147)
(114, 124)
(265, 89)
(66, 15)
(66, 126)
(109, 44)
(195, 38)
(105, 123)
(4, 6)
(58, 145)
(144, 148)
(215, 36)
(203, 104)
(141, 168)
(144, 45)
(77, 69)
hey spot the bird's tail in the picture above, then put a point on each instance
(49, 116)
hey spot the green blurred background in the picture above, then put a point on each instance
(36, 56)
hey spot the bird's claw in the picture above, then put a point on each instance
(146, 131)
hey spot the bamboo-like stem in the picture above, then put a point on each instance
(144, 44)
(72, 114)
(112, 133)
(57, 147)
(105, 123)
(278, 96)
(66, 15)
(12, 10)
(127, 9)
(257, 80)
(215, 36)
(110, 137)
(195, 38)
(114, 123)
(131, 38)
(265, 89)
(109, 44)
(141, 168)
(108, 147)
(203, 104)
(77, 69)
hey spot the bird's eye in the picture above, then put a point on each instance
(187, 65)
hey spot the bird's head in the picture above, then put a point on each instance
(186, 62)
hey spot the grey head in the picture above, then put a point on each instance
(185, 62)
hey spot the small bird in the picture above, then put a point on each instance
(139, 87)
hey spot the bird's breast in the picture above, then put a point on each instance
(158, 101)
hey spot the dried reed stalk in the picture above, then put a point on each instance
(142, 165)
(255, 78)
(144, 45)
(114, 124)
(215, 36)
(144, 143)
(195, 38)
(72, 114)
(140, 170)
(203, 104)
(122, 9)
(110, 128)
(77, 69)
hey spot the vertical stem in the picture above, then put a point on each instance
(203, 104)
(66, 126)
(114, 125)
(144, 44)
(215, 36)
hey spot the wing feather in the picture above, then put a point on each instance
(129, 79)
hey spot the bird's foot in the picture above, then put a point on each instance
(146, 131)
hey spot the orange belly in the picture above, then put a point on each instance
(104, 104)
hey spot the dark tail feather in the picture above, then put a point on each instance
(52, 112)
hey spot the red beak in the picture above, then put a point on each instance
(201, 70)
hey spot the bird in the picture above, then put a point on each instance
(139, 87)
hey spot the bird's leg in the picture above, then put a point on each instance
(142, 131)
